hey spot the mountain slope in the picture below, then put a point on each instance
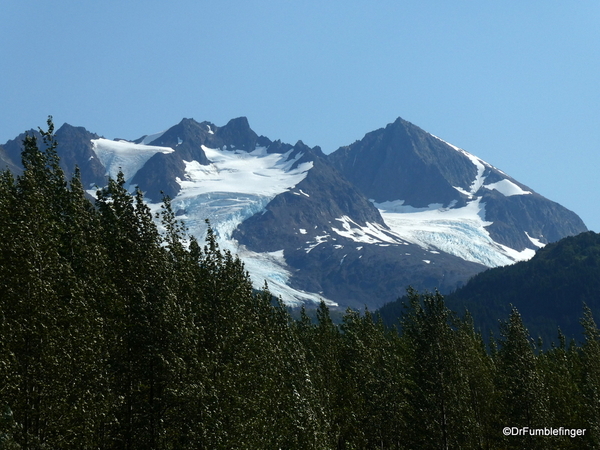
(404, 169)
(400, 207)
(339, 246)
(187, 139)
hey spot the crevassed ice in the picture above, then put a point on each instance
(457, 231)
(235, 186)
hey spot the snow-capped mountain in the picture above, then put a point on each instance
(400, 207)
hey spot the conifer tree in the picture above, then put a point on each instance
(479, 372)
(524, 401)
(45, 334)
(590, 378)
(439, 406)
(376, 381)
(559, 368)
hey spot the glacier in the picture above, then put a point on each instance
(238, 184)
(457, 231)
(235, 186)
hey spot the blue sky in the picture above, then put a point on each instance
(515, 83)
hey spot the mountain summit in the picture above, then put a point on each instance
(399, 207)
(401, 165)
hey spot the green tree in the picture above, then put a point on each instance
(144, 319)
(478, 372)
(440, 408)
(559, 368)
(590, 379)
(375, 397)
(524, 401)
(48, 333)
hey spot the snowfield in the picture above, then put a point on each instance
(125, 156)
(507, 188)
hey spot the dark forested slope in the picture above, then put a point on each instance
(549, 290)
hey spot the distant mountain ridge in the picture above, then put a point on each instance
(399, 207)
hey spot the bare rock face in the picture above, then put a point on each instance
(403, 162)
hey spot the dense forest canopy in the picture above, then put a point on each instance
(118, 333)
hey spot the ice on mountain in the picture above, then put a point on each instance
(479, 178)
(215, 191)
(507, 188)
(457, 231)
(235, 186)
(317, 241)
(257, 172)
(534, 241)
(368, 234)
(271, 266)
(124, 155)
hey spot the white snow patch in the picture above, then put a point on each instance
(457, 231)
(538, 243)
(507, 188)
(426, 261)
(318, 240)
(479, 178)
(371, 233)
(302, 231)
(124, 155)
(255, 173)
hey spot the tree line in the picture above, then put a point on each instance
(120, 331)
